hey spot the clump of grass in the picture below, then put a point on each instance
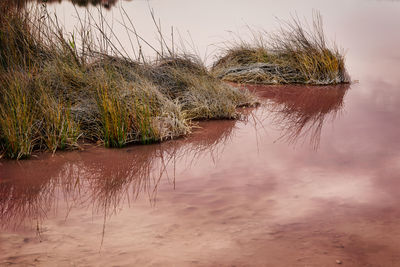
(114, 115)
(17, 117)
(56, 93)
(201, 95)
(133, 109)
(207, 99)
(59, 130)
(295, 54)
(161, 98)
(18, 42)
(31, 117)
(156, 117)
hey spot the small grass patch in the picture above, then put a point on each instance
(296, 54)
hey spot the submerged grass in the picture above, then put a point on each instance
(55, 92)
(295, 54)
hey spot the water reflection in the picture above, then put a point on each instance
(300, 112)
(106, 179)
(32, 190)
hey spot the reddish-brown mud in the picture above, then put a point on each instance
(311, 178)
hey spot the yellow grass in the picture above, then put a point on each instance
(295, 54)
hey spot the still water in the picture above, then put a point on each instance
(308, 179)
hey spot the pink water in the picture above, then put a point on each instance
(310, 178)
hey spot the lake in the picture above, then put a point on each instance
(310, 178)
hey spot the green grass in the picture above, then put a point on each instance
(295, 54)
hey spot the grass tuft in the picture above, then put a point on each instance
(114, 115)
(59, 130)
(17, 117)
(296, 54)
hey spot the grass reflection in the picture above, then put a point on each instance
(31, 191)
(300, 112)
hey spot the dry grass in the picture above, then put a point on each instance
(17, 117)
(55, 92)
(59, 130)
(295, 54)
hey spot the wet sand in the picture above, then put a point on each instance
(309, 178)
